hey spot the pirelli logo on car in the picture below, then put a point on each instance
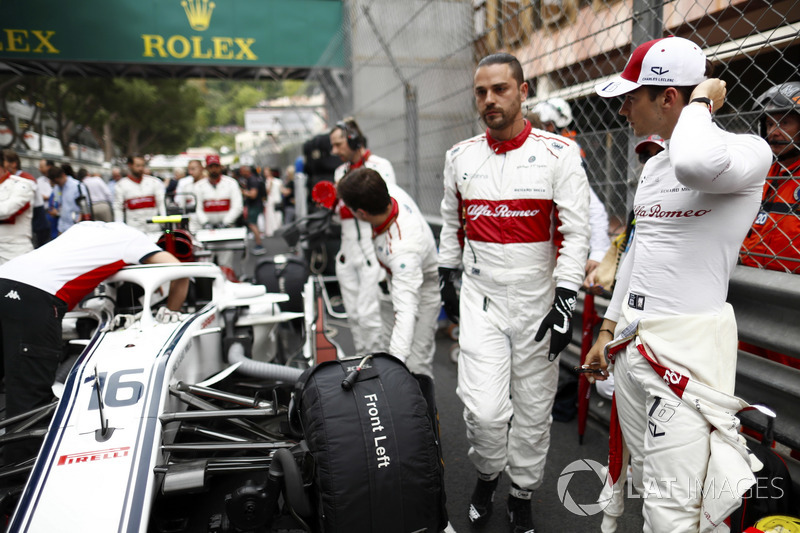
(88, 457)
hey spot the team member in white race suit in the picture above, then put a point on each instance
(357, 268)
(17, 194)
(515, 214)
(693, 206)
(219, 199)
(138, 197)
(405, 247)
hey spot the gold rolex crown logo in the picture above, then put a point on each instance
(198, 12)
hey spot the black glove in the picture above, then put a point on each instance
(447, 279)
(559, 320)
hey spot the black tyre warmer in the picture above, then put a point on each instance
(378, 465)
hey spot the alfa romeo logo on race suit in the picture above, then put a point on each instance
(581, 465)
(474, 211)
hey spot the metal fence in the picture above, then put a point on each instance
(409, 83)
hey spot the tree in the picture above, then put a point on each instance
(155, 116)
(71, 102)
(227, 100)
(134, 115)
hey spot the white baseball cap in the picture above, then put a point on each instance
(654, 139)
(669, 62)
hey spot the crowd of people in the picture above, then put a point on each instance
(37, 210)
(523, 231)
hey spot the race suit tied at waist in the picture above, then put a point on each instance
(730, 461)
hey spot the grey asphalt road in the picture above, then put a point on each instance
(550, 514)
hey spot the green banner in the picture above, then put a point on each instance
(274, 33)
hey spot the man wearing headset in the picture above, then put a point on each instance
(357, 268)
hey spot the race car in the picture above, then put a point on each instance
(156, 427)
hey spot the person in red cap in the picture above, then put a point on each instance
(674, 330)
(219, 199)
(219, 202)
(138, 197)
(649, 147)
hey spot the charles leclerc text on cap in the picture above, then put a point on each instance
(669, 62)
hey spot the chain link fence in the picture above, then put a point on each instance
(409, 83)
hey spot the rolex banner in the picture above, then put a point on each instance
(282, 33)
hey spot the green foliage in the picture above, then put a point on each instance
(143, 115)
(155, 116)
(225, 102)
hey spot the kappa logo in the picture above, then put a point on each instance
(658, 71)
(14, 295)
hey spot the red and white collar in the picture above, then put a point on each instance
(377, 230)
(360, 163)
(501, 147)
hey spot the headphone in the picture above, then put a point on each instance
(354, 138)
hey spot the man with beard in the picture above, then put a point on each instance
(357, 268)
(138, 197)
(772, 241)
(219, 200)
(219, 203)
(515, 217)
